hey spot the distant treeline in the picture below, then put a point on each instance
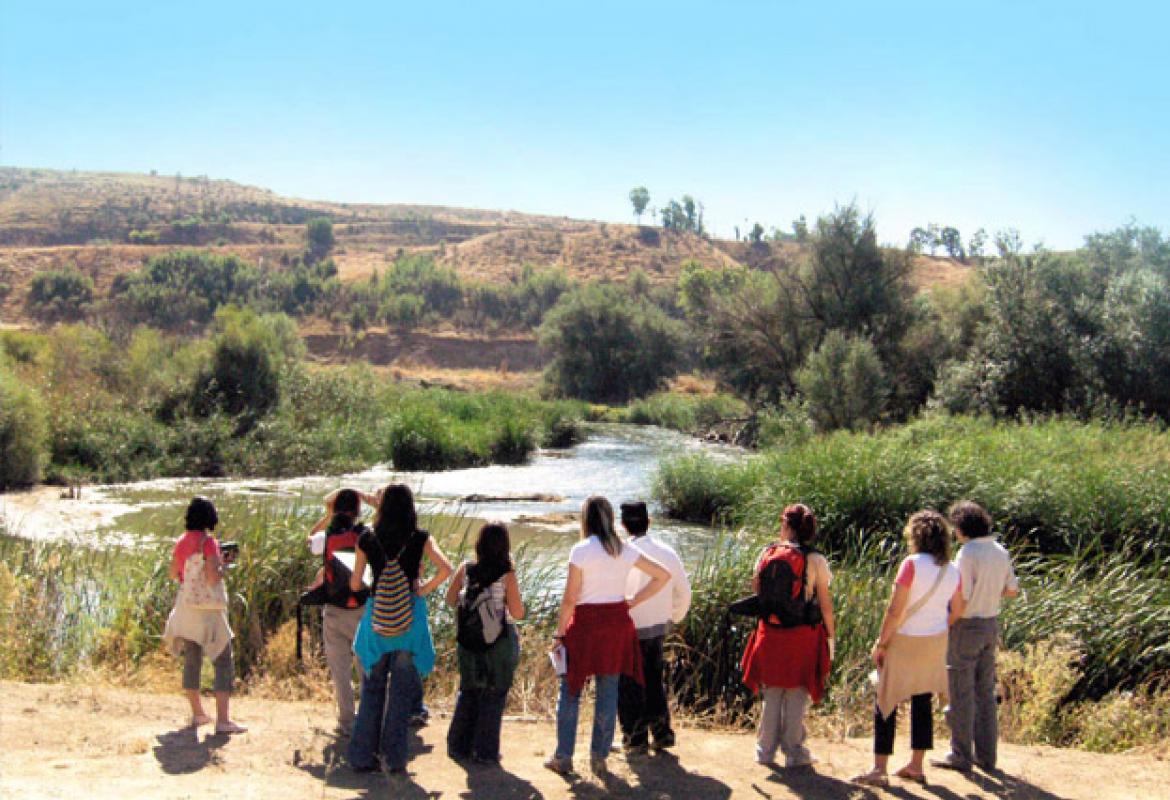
(839, 334)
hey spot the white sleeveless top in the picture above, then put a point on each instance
(919, 573)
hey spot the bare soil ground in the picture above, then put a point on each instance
(65, 741)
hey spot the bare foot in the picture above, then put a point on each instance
(200, 719)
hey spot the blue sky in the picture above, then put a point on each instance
(1048, 117)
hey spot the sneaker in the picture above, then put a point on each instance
(561, 766)
(799, 762)
(636, 749)
(598, 766)
(951, 761)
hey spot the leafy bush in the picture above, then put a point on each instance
(605, 347)
(23, 431)
(843, 383)
(60, 294)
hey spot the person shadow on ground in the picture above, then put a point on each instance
(334, 771)
(181, 751)
(662, 774)
(495, 782)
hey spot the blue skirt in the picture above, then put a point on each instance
(369, 646)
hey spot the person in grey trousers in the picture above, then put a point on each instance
(987, 575)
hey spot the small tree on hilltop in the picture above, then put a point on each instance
(639, 198)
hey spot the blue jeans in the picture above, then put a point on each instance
(604, 717)
(382, 720)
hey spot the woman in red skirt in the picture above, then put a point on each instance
(787, 660)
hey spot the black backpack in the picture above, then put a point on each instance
(478, 624)
(783, 572)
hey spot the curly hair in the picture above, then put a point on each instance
(928, 532)
(970, 519)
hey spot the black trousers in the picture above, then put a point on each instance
(921, 727)
(643, 711)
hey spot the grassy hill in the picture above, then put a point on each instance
(109, 223)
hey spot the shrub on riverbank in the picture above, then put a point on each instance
(1056, 485)
(22, 432)
(148, 405)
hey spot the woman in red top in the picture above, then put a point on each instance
(788, 666)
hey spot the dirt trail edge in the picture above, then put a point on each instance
(64, 741)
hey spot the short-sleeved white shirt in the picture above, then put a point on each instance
(603, 577)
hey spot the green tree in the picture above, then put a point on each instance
(639, 198)
(756, 234)
(952, 242)
(60, 295)
(320, 236)
(605, 347)
(843, 383)
(977, 243)
(800, 229)
(23, 433)
(250, 355)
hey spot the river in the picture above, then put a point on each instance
(617, 461)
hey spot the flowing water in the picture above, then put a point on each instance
(617, 461)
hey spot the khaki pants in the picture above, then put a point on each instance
(338, 626)
(782, 726)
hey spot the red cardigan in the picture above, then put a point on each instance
(601, 640)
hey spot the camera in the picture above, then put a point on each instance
(230, 552)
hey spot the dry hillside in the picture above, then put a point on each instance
(108, 223)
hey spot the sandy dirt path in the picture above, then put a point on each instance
(64, 741)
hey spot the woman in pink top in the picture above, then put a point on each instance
(198, 624)
(911, 649)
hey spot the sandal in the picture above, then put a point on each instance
(198, 720)
(907, 774)
(872, 778)
(229, 728)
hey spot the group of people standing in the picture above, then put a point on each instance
(939, 634)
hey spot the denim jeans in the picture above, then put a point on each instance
(475, 725)
(604, 717)
(383, 715)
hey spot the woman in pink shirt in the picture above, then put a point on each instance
(198, 624)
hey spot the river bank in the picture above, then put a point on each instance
(69, 741)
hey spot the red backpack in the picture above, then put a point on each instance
(783, 571)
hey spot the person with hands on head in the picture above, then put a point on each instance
(198, 624)
(911, 650)
(596, 630)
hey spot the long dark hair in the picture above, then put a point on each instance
(396, 520)
(597, 520)
(493, 550)
(346, 507)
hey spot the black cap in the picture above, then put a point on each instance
(635, 517)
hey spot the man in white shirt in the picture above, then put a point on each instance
(987, 575)
(643, 710)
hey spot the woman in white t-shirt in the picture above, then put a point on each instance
(911, 649)
(596, 630)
